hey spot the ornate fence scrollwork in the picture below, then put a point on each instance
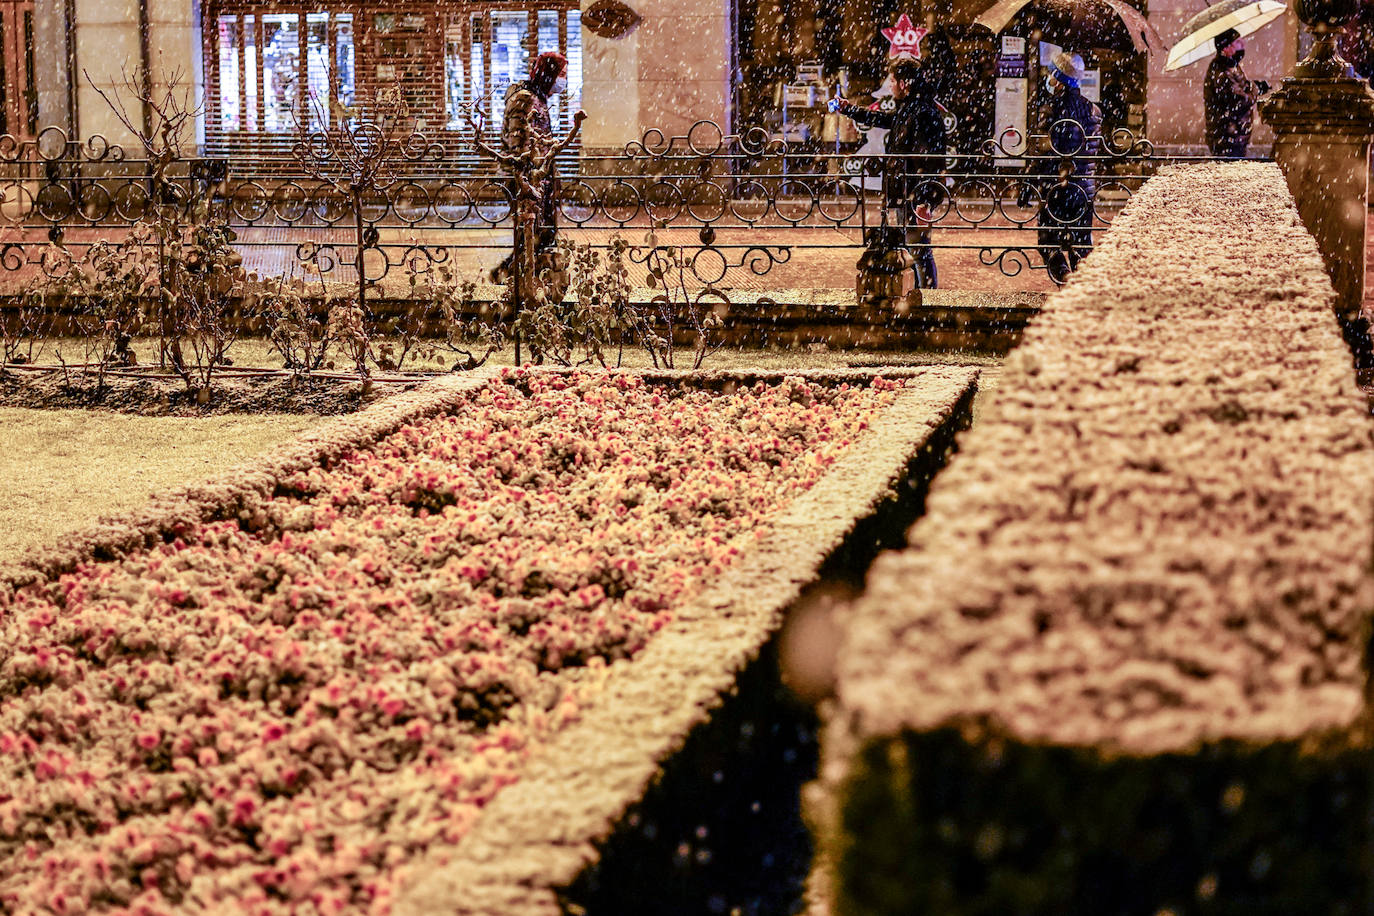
(749, 199)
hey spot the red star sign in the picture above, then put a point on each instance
(905, 38)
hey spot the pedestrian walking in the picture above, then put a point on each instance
(916, 132)
(1064, 223)
(527, 130)
(1228, 98)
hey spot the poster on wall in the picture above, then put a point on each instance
(1011, 62)
(1010, 103)
(1009, 119)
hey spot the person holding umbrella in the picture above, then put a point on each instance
(1228, 95)
(1228, 98)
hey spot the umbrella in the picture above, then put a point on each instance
(1245, 16)
(1104, 25)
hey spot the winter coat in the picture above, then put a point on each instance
(1082, 137)
(1065, 167)
(1228, 100)
(526, 126)
(915, 126)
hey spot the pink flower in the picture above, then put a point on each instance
(316, 620)
(245, 806)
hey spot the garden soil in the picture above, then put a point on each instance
(269, 394)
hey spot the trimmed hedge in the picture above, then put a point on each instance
(1144, 581)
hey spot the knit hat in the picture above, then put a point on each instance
(1067, 68)
(545, 70)
(1225, 38)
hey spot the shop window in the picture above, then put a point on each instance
(230, 84)
(488, 51)
(510, 53)
(271, 69)
(281, 71)
(248, 81)
(274, 71)
(317, 69)
(344, 59)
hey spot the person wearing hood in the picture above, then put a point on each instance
(1064, 223)
(916, 129)
(527, 129)
(1228, 98)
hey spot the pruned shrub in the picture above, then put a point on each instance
(443, 320)
(212, 276)
(295, 319)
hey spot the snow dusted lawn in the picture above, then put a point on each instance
(62, 469)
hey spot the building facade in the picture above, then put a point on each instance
(261, 68)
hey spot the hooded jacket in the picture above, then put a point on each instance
(526, 126)
(1082, 137)
(1228, 101)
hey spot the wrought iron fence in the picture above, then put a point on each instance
(726, 203)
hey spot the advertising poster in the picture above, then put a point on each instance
(1010, 105)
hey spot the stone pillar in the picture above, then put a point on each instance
(109, 47)
(610, 88)
(106, 34)
(1323, 119)
(174, 40)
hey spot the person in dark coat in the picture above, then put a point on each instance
(1064, 223)
(916, 130)
(1228, 98)
(527, 129)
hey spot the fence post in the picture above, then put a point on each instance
(1323, 118)
(886, 274)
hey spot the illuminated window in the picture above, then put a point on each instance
(272, 69)
(270, 77)
(486, 52)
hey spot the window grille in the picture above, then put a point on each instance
(273, 66)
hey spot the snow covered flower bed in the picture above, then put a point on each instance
(278, 712)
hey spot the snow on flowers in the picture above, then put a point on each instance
(278, 711)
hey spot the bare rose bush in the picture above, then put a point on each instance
(278, 712)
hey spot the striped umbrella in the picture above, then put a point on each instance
(1245, 16)
(1103, 25)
